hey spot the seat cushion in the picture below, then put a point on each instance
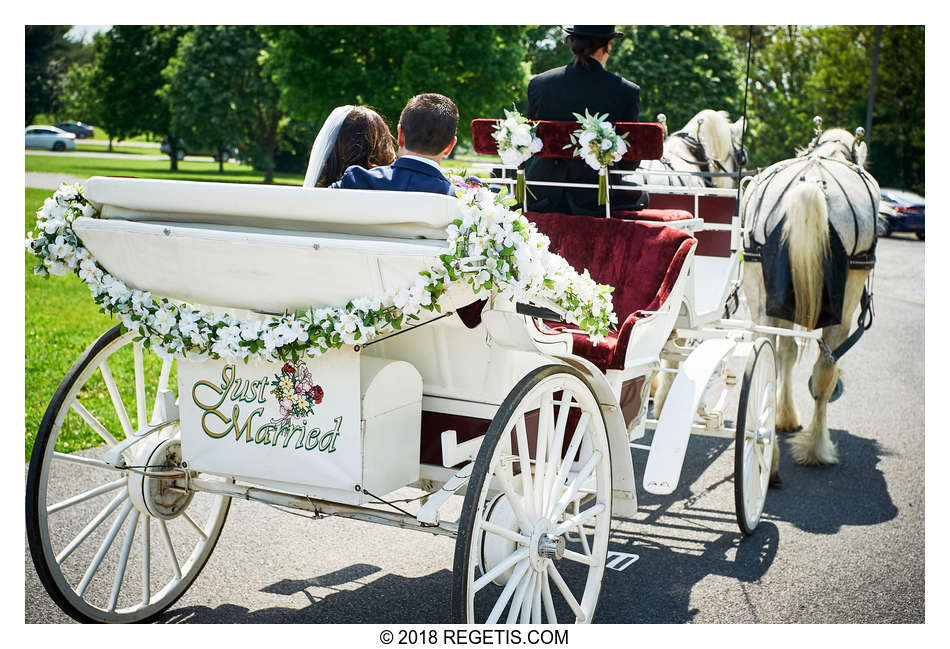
(661, 216)
(642, 261)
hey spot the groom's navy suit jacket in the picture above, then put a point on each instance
(404, 175)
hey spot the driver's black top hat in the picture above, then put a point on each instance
(597, 31)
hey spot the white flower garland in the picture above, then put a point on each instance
(490, 247)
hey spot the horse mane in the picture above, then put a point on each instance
(830, 143)
(714, 134)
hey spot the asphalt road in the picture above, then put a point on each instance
(841, 544)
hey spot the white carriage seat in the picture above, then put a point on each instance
(648, 266)
(398, 215)
(260, 248)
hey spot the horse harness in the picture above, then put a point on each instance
(862, 261)
(702, 161)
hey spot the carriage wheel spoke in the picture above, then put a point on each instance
(106, 544)
(545, 419)
(517, 604)
(551, 469)
(568, 595)
(568, 460)
(169, 548)
(116, 397)
(146, 559)
(93, 524)
(524, 461)
(528, 602)
(507, 485)
(575, 484)
(587, 560)
(140, 398)
(195, 525)
(536, 599)
(86, 495)
(94, 423)
(502, 566)
(504, 532)
(546, 598)
(580, 528)
(85, 461)
(162, 385)
(579, 519)
(506, 593)
(123, 560)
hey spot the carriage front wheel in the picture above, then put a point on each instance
(113, 545)
(755, 435)
(532, 543)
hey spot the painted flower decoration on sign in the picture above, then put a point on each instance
(295, 390)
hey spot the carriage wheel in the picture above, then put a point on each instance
(112, 545)
(755, 435)
(536, 519)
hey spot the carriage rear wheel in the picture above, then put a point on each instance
(755, 435)
(532, 543)
(114, 545)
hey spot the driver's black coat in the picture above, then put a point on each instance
(556, 95)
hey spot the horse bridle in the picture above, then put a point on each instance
(703, 161)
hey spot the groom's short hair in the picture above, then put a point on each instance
(429, 122)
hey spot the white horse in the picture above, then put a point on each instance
(824, 187)
(708, 142)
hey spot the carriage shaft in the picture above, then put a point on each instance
(320, 507)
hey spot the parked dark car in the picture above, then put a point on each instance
(184, 149)
(79, 129)
(900, 211)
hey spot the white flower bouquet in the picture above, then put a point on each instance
(517, 142)
(489, 247)
(597, 143)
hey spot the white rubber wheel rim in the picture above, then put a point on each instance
(135, 578)
(539, 589)
(755, 435)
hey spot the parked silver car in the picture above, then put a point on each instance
(49, 137)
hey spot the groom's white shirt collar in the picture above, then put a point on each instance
(421, 159)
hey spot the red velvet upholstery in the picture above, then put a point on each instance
(644, 140)
(663, 216)
(640, 260)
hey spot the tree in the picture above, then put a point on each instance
(219, 97)
(48, 56)
(80, 96)
(129, 63)
(481, 68)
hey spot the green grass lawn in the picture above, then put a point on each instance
(61, 321)
(205, 171)
(82, 145)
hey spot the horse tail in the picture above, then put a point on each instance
(806, 232)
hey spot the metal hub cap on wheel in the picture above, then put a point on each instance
(158, 487)
(551, 547)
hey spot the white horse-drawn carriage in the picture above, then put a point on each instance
(497, 403)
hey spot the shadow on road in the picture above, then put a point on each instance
(822, 499)
(390, 599)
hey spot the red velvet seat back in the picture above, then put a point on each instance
(644, 139)
(634, 258)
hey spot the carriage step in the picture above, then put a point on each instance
(668, 449)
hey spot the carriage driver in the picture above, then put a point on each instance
(559, 93)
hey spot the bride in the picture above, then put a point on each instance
(352, 135)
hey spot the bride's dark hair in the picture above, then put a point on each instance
(364, 140)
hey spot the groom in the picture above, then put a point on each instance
(426, 134)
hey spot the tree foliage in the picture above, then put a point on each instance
(128, 73)
(800, 72)
(49, 56)
(480, 67)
